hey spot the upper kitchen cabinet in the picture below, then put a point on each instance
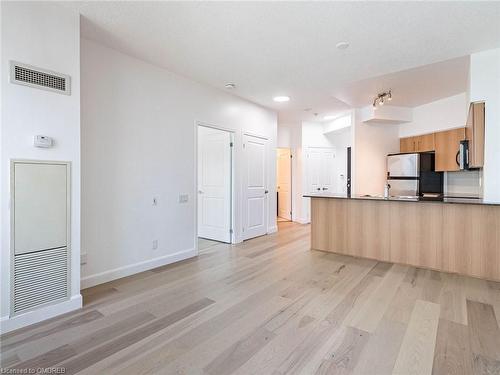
(407, 144)
(425, 142)
(447, 145)
(420, 143)
(474, 133)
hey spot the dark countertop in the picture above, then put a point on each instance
(406, 199)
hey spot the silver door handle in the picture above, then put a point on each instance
(318, 188)
(325, 188)
(200, 191)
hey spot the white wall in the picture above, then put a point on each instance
(47, 36)
(485, 85)
(443, 114)
(138, 142)
(313, 135)
(371, 144)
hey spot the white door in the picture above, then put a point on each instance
(321, 170)
(214, 184)
(314, 170)
(255, 187)
(284, 180)
(328, 171)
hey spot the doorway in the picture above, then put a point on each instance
(215, 185)
(284, 184)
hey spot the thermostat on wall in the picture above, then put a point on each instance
(42, 141)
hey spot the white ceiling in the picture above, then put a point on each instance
(288, 48)
(411, 87)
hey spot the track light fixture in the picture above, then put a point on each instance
(381, 98)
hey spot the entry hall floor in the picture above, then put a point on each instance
(272, 306)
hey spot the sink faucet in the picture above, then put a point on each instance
(386, 190)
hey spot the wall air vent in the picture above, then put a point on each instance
(28, 75)
(40, 278)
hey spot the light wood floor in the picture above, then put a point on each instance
(272, 306)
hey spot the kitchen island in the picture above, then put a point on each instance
(452, 235)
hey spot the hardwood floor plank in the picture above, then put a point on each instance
(80, 362)
(82, 344)
(343, 356)
(8, 361)
(483, 330)
(374, 309)
(381, 269)
(452, 355)
(238, 353)
(417, 350)
(380, 352)
(483, 365)
(90, 316)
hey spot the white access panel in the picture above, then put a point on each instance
(40, 206)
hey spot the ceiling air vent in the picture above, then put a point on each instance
(28, 75)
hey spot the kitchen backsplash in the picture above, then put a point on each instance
(464, 183)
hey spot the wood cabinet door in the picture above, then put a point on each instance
(474, 133)
(407, 144)
(447, 144)
(424, 142)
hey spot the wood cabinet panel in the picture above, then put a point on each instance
(474, 132)
(425, 142)
(407, 144)
(457, 238)
(419, 143)
(447, 144)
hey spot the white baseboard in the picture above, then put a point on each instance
(8, 324)
(117, 273)
(273, 229)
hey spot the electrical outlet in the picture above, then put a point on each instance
(83, 259)
(183, 198)
(155, 244)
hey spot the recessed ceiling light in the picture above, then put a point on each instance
(342, 45)
(230, 86)
(281, 99)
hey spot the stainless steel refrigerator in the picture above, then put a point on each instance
(413, 175)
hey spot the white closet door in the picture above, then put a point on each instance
(320, 169)
(214, 184)
(40, 206)
(255, 187)
(314, 169)
(328, 170)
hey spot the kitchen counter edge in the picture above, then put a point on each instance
(415, 200)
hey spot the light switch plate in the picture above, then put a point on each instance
(183, 198)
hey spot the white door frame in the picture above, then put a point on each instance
(232, 219)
